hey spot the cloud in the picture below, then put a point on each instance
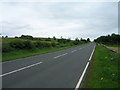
(67, 19)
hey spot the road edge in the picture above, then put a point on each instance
(84, 71)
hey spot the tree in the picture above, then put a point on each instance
(16, 37)
(26, 37)
(109, 39)
(6, 36)
(54, 38)
(68, 40)
(88, 39)
(77, 39)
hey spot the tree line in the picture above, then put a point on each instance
(109, 39)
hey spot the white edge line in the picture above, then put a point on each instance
(20, 69)
(92, 54)
(80, 80)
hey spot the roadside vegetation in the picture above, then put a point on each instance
(103, 69)
(112, 40)
(26, 45)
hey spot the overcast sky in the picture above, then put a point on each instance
(66, 19)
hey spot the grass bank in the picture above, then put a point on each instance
(103, 69)
(25, 53)
(115, 48)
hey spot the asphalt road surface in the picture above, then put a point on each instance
(61, 69)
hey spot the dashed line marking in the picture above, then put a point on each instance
(73, 51)
(80, 48)
(60, 55)
(20, 69)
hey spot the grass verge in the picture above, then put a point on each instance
(25, 53)
(103, 69)
(115, 48)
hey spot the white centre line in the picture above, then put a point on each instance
(80, 48)
(61, 55)
(73, 51)
(20, 69)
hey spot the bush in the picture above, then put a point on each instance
(6, 47)
(18, 44)
(47, 44)
(75, 42)
(28, 45)
(40, 44)
(53, 44)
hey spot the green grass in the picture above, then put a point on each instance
(103, 69)
(25, 53)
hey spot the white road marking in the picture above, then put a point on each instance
(61, 55)
(80, 48)
(92, 53)
(20, 69)
(73, 51)
(81, 78)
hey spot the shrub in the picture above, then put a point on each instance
(40, 44)
(75, 42)
(53, 44)
(62, 45)
(28, 45)
(6, 47)
(47, 44)
(18, 44)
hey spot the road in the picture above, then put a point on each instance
(61, 69)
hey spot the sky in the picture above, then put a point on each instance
(66, 19)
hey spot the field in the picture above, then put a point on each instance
(103, 69)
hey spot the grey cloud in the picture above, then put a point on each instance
(62, 19)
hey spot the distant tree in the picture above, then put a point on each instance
(77, 39)
(6, 36)
(109, 39)
(68, 40)
(88, 39)
(83, 40)
(16, 37)
(54, 38)
(26, 37)
(48, 39)
(62, 40)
